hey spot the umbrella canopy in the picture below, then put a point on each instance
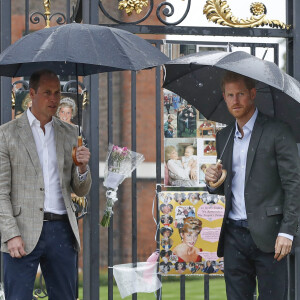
(79, 49)
(197, 79)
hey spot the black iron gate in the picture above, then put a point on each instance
(91, 11)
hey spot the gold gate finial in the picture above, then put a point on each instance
(132, 5)
(47, 12)
(219, 12)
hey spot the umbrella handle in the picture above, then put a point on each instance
(221, 179)
(79, 143)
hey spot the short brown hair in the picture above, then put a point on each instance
(230, 76)
(35, 77)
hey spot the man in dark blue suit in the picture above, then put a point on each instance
(262, 191)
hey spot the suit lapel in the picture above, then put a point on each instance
(59, 140)
(254, 141)
(25, 134)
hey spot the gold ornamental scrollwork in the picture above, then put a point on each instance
(219, 12)
(132, 5)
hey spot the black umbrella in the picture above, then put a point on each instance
(79, 49)
(197, 78)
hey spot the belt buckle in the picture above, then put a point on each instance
(238, 223)
(48, 216)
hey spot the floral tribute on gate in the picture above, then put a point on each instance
(120, 163)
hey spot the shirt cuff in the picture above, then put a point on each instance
(210, 189)
(82, 177)
(290, 237)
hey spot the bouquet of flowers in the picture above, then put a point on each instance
(2, 296)
(120, 163)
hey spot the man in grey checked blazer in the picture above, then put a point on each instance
(37, 175)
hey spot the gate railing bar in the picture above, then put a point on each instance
(133, 182)
(26, 17)
(206, 287)
(5, 41)
(291, 286)
(158, 189)
(296, 278)
(293, 16)
(276, 54)
(289, 41)
(182, 287)
(68, 7)
(252, 46)
(225, 44)
(205, 31)
(111, 226)
(296, 39)
(253, 50)
(158, 148)
(91, 232)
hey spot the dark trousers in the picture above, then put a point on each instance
(244, 263)
(56, 255)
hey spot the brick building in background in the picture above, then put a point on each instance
(145, 137)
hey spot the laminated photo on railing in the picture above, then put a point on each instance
(190, 224)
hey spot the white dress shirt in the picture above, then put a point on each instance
(46, 149)
(239, 161)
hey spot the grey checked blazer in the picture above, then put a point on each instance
(22, 184)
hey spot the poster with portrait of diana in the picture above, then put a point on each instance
(190, 224)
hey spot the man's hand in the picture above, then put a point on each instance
(83, 156)
(16, 247)
(283, 247)
(213, 173)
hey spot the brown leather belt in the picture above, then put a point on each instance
(55, 217)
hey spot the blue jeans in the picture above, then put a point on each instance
(56, 254)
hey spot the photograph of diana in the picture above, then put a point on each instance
(186, 250)
(166, 220)
(166, 232)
